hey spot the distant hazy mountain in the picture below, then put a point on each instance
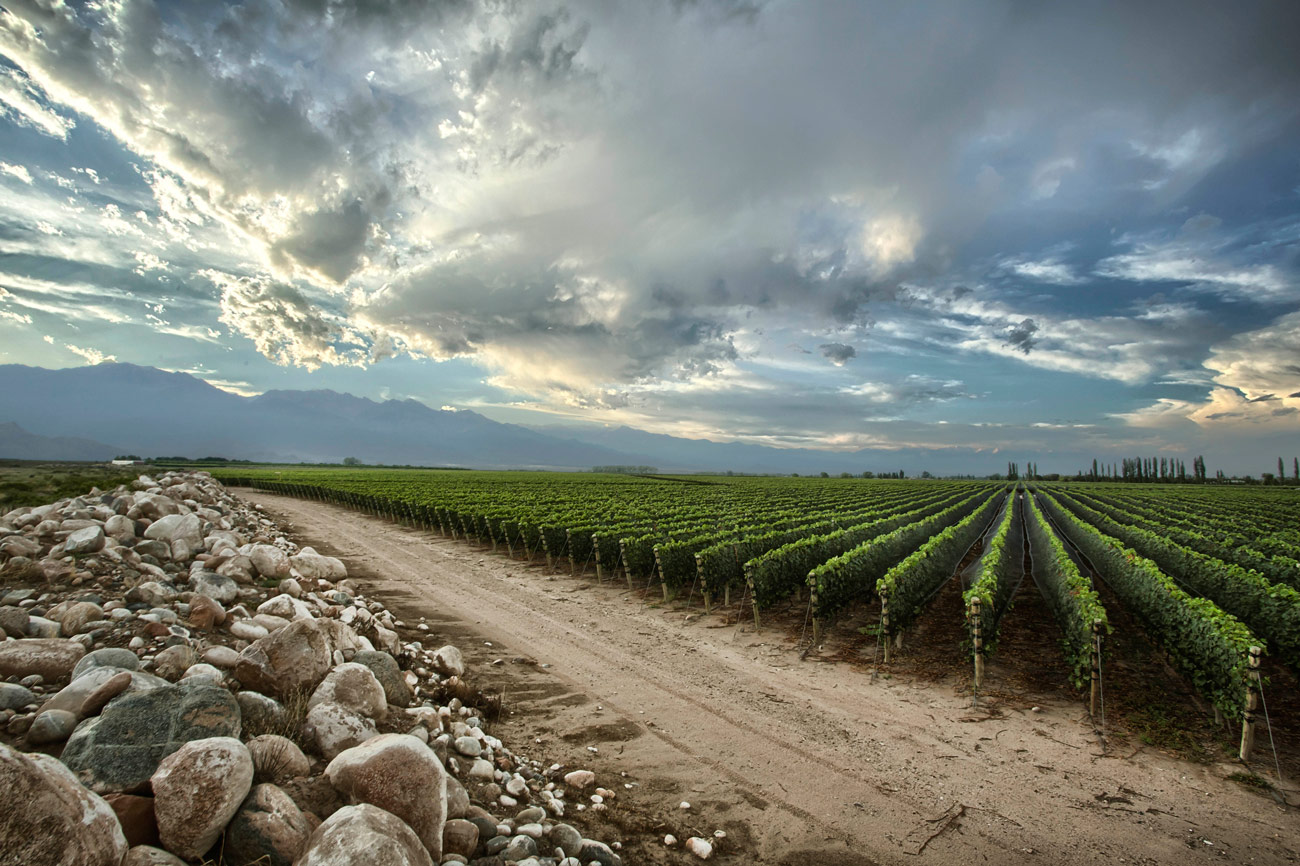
(155, 413)
(17, 444)
(703, 454)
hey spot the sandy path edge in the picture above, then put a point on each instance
(803, 762)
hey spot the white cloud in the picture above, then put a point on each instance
(1259, 385)
(243, 389)
(890, 241)
(18, 171)
(90, 356)
(20, 100)
(149, 262)
(1205, 266)
(283, 325)
(1131, 350)
(1050, 271)
(1263, 362)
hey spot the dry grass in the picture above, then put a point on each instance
(290, 720)
(274, 762)
(489, 707)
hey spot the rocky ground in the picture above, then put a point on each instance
(182, 683)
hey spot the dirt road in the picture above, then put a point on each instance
(799, 762)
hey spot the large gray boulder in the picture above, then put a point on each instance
(295, 658)
(14, 620)
(269, 560)
(268, 825)
(400, 774)
(109, 657)
(334, 728)
(277, 759)
(364, 834)
(52, 658)
(155, 505)
(15, 697)
(121, 527)
(121, 749)
(215, 586)
(87, 540)
(354, 687)
(389, 675)
(316, 567)
(448, 661)
(173, 527)
(197, 790)
(49, 819)
(78, 615)
(72, 697)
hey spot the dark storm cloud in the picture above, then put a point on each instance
(838, 354)
(1021, 336)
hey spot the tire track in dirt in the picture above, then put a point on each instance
(723, 728)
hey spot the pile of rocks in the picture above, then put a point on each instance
(214, 693)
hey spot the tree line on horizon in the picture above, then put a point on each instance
(1154, 470)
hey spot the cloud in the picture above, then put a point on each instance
(1124, 348)
(1204, 260)
(23, 102)
(18, 171)
(909, 391)
(148, 262)
(1021, 336)
(1257, 373)
(838, 354)
(1051, 271)
(283, 325)
(598, 204)
(90, 356)
(1259, 363)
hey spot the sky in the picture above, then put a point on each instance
(1047, 227)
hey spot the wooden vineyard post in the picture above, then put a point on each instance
(977, 639)
(703, 591)
(622, 558)
(1252, 704)
(1095, 664)
(726, 587)
(663, 584)
(884, 623)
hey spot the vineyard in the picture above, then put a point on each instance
(1209, 576)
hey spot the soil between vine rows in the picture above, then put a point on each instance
(799, 761)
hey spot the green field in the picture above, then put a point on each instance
(1208, 571)
(36, 483)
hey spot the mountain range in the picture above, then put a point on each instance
(151, 412)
